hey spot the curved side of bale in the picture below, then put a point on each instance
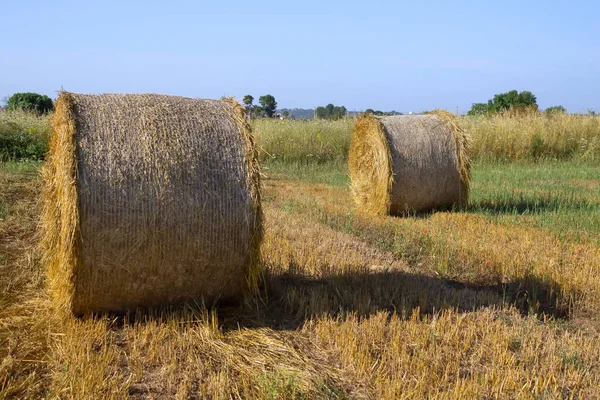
(254, 270)
(404, 164)
(370, 166)
(150, 200)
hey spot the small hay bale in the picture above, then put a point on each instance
(149, 200)
(409, 163)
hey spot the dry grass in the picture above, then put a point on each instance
(24, 317)
(534, 136)
(305, 141)
(449, 306)
(30, 121)
(471, 249)
(500, 137)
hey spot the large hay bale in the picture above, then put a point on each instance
(149, 200)
(409, 163)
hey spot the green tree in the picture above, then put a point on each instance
(285, 114)
(320, 112)
(268, 105)
(527, 99)
(248, 99)
(478, 109)
(556, 110)
(329, 109)
(250, 109)
(330, 112)
(33, 102)
(338, 112)
(369, 111)
(335, 113)
(505, 101)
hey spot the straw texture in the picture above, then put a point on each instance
(412, 163)
(149, 200)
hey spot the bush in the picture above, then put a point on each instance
(23, 136)
(32, 102)
(556, 110)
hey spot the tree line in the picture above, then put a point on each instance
(330, 112)
(381, 113)
(513, 100)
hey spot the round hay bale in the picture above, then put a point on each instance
(149, 200)
(409, 163)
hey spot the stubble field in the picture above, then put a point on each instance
(500, 300)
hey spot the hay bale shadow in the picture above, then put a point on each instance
(288, 300)
(519, 205)
(292, 299)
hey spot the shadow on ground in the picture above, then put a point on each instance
(527, 206)
(292, 299)
(513, 206)
(288, 300)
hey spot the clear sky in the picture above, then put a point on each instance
(407, 56)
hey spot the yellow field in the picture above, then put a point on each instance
(492, 302)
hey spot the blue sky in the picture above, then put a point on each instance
(407, 56)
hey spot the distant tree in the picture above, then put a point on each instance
(33, 102)
(556, 110)
(330, 112)
(526, 99)
(478, 109)
(250, 108)
(268, 105)
(285, 114)
(337, 113)
(329, 108)
(248, 99)
(381, 113)
(320, 112)
(511, 100)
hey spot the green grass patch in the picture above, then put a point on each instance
(19, 167)
(562, 197)
(276, 385)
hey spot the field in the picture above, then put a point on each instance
(500, 300)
